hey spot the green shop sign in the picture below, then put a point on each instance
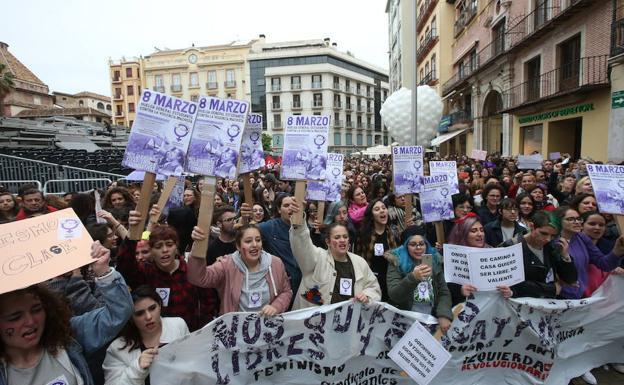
(557, 113)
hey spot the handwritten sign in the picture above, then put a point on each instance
(160, 134)
(40, 248)
(419, 354)
(407, 167)
(478, 154)
(530, 162)
(496, 266)
(456, 264)
(305, 147)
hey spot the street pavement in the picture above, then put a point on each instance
(604, 377)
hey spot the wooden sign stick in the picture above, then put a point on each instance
(320, 214)
(143, 206)
(300, 187)
(248, 195)
(619, 221)
(409, 206)
(164, 197)
(204, 219)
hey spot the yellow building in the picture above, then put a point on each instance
(125, 77)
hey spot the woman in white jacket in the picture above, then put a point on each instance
(130, 356)
(332, 275)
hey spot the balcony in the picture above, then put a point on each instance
(276, 87)
(348, 107)
(119, 114)
(118, 97)
(359, 125)
(348, 89)
(349, 124)
(295, 86)
(337, 87)
(230, 83)
(359, 108)
(117, 79)
(617, 33)
(431, 38)
(159, 88)
(276, 106)
(337, 105)
(176, 88)
(212, 85)
(459, 77)
(296, 105)
(277, 125)
(430, 79)
(423, 14)
(370, 94)
(579, 76)
(317, 104)
(369, 110)
(317, 85)
(338, 123)
(193, 85)
(464, 18)
(369, 126)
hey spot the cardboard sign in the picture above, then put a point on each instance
(456, 264)
(435, 199)
(530, 162)
(478, 154)
(608, 183)
(554, 155)
(40, 248)
(331, 187)
(305, 147)
(496, 266)
(408, 170)
(252, 155)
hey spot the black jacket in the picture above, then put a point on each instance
(494, 234)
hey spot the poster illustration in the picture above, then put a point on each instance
(435, 199)
(608, 183)
(252, 155)
(331, 187)
(305, 147)
(446, 167)
(407, 166)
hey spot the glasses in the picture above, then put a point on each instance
(228, 220)
(574, 219)
(416, 244)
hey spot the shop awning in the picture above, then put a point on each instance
(437, 141)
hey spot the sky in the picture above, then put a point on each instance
(68, 43)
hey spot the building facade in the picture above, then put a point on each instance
(400, 25)
(83, 99)
(532, 76)
(615, 150)
(312, 77)
(125, 77)
(28, 92)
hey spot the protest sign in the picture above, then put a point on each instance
(343, 343)
(305, 147)
(498, 266)
(554, 155)
(216, 138)
(456, 263)
(608, 183)
(478, 154)
(419, 354)
(160, 134)
(407, 168)
(331, 187)
(36, 249)
(530, 162)
(446, 167)
(252, 154)
(435, 198)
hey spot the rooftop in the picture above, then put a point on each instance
(45, 112)
(16, 67)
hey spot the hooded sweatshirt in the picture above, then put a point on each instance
(255, 291)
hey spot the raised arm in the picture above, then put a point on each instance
(306, 254)
(197, 272)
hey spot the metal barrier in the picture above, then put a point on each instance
(14, 185)
(61, 186)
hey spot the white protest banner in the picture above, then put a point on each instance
(160, 134)
(435, 198)
(530, 162)
(478, 154)
(497, 266)
(608, 183)
(252, 155)
(305, 147)
(331, 187)
(456, 268)
(37, 249)
(407, 169)
(419, 354)
(216, 138)
(533, 341)
(343, 343)
(446, 167)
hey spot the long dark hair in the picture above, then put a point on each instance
(57, 331)
(368, 236)
(130, 333)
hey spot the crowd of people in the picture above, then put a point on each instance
(104, 323)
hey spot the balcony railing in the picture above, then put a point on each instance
(295, 86)
(430, 39)
(230, 83)
(464, 18)
(423, 14)
(317, 104)
(359, 108)
(585, 73)
(338, 123)
(349, 107)
(276, 87)
(617, 33)
(277, 106)
(176, 88)
(212, 85)
(349, 124)
(296, 105)
(277, 125)
(317, 85)
(117, 79)
(369, 126)
(337, 105)
(370, 94)
(359, 125)
(159, 88)
(337, 86)
(348, 89)
(369, 110)
(117, 97)
(428, 79)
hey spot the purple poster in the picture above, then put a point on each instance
(608, 183)
(252, 155)
(435, 198)
(305, 147)
(330, 189)
(446, 167)
(175, 199)
(407, 166)
(160, 134)
(217, 137)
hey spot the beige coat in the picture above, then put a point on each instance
(318, 269)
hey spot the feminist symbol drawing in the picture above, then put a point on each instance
(444, 191)
(319, 140)
(335, 171)
(621, 183)
(181, 131)
(69, 225)
(417, 165)
(254, 137)
(233, 132)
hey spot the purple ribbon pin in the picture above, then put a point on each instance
(255, 297)
(70, 225)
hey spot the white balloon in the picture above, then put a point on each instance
(396, 114)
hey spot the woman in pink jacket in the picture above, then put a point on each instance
(249, 280)
(357, 204)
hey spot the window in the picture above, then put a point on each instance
(433, 67)
(337, 100)
(433, 26)
(318, 100)
(195, 98)
(337, 139)
(296, 101)
(359, 139)
(349, 139)
(278, 140)
(369, 140)
(116, 75)
(295, 82)
(348, 103)
(175, 79)
(117, 93)
(100, 106)
(119, 110)
(498, 38)
(212, 80)
(230, 78)
(194, 79)
(129, 90)
(336, 118)
(128, 72)
(276, 102)
(316, 81)
(130, 107)
(570, 63)
(426, 68)
(158, 80)
(532, 71)
(277, 121)
(336, 82)
(276, 84)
